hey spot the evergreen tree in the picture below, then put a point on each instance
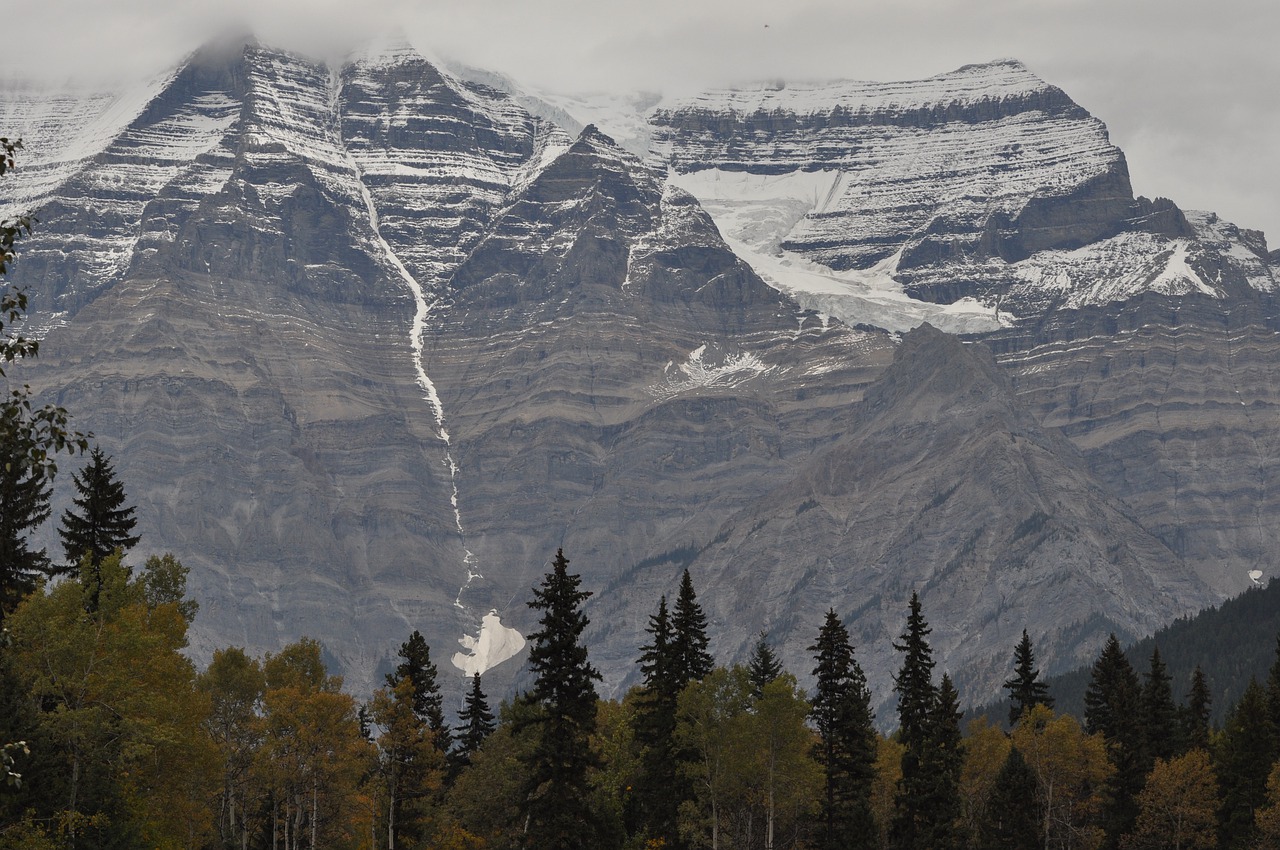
(416, 666)
(1195, 719)
(660, 788)
(1273, 703)
(941, 763)
(30, 436)
(477, 722)
(103, 523)
(24, 504)
(1026, 691)
(847, 740)
(763, 666)
(1242, 762)
(917, 699)
(1013, 817)
(1112, 708)
(1159, 714)
(558, 796)
(690, 658)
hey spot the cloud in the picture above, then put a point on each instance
(1185, 87)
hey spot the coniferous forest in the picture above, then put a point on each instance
(110, 737)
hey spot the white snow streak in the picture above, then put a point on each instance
(493, 645)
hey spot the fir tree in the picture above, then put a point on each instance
(1242, 763)
(477, 722)
(941, 763)
(659, 786)
(764, 666)
(846, 740)
(1013, 817)
(690, 658)
(102, 525)
(24, 504)
(1112, 707)
(1195, 719)
(558, 797)
(416, 666)
(1159, 714)
(1026, 691)
(917, 699)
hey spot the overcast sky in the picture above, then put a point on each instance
(1189, 89)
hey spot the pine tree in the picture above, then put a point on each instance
(917, 699)
(763, 666)
(24, 505)
(416, 666)
(558, 798)
(847, 740)
(1026, 691)
(1112, 708)
(1159, 714)
(477, 722)
(1195, 719)
(1013, 817)
(103, 523)
(689, 642)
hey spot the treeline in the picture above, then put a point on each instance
(118, 741)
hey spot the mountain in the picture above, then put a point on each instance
(369, 343)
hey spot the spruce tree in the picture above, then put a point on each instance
(558, 796)
(24, 504)
(941, 763)
(763, 666)
(659, 786)
(917, 699)
(1242, 763)
(1112, 708)
(1159, 713)
(1195, 719)
(416, 666)
(846, 741)
(1026, 691)
(102, 524)
(690, 658)
(477, 722)
(1013, 817)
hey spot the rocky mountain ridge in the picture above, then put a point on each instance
(369, 343)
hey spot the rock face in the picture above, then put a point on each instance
(942, 483)
(369, 343)
(985, 183)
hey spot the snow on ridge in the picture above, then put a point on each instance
(969, 84)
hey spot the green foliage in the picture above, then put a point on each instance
(1013, 821)
(416, 666)
(118, 708)
(689, 639)
(30, 436)
(559, 811)
(477, 722)
(1242, 761)
(763, 666)
(1026, 691)
(1113, 704)
(913, 821)
(103, 523)
(846, 748)
(1160, 731)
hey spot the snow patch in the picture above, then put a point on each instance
(697, 372)
(494, 644)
